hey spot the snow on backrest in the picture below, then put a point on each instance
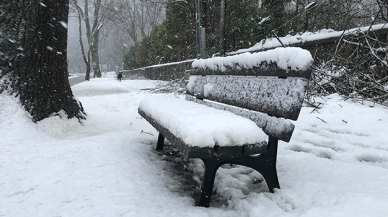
(287, 59)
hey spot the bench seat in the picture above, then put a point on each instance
(204, 130)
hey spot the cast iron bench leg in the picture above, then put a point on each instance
(267, 165)
(211, 166)
(159, 145)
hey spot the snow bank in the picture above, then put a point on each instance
(199, 125)
(286, 58)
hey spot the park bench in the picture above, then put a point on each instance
(236, 110)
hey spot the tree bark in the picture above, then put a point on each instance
(10, 40)
(306, 19)
(40, 76)
(94, 37)
(222, 28)
(94, 52)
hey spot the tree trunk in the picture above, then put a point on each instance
(93, 35)
(222, 28)
(84, 57)
(87, 75)
(306, 18)
(95, 57)
(40, 76)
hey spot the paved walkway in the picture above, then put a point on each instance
(76, 80)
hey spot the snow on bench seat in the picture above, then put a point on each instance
(201, 126)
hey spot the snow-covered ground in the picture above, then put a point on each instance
(335, 165)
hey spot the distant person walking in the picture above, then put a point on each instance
(120, 76)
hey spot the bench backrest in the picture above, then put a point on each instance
(266, 87)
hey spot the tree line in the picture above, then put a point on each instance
(247, 22)
(354, 66)
(114, 24)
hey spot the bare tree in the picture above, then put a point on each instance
(115, 43)
(382, 6)
(94, 14)
(138, 18)
(128, 22)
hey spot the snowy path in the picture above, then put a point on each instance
(107, 166)
(76, 79)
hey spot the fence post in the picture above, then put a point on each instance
(200, 30)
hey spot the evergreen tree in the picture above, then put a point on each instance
(178, 32)
(242, 24)
(275, 9)
(175, 39)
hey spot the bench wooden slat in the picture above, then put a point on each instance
(276, 127)
(264, 69)
(206, 152)
(183, 148)
(272, 95)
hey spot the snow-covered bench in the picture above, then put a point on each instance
(235, 111)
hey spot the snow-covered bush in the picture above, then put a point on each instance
(355, 67)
